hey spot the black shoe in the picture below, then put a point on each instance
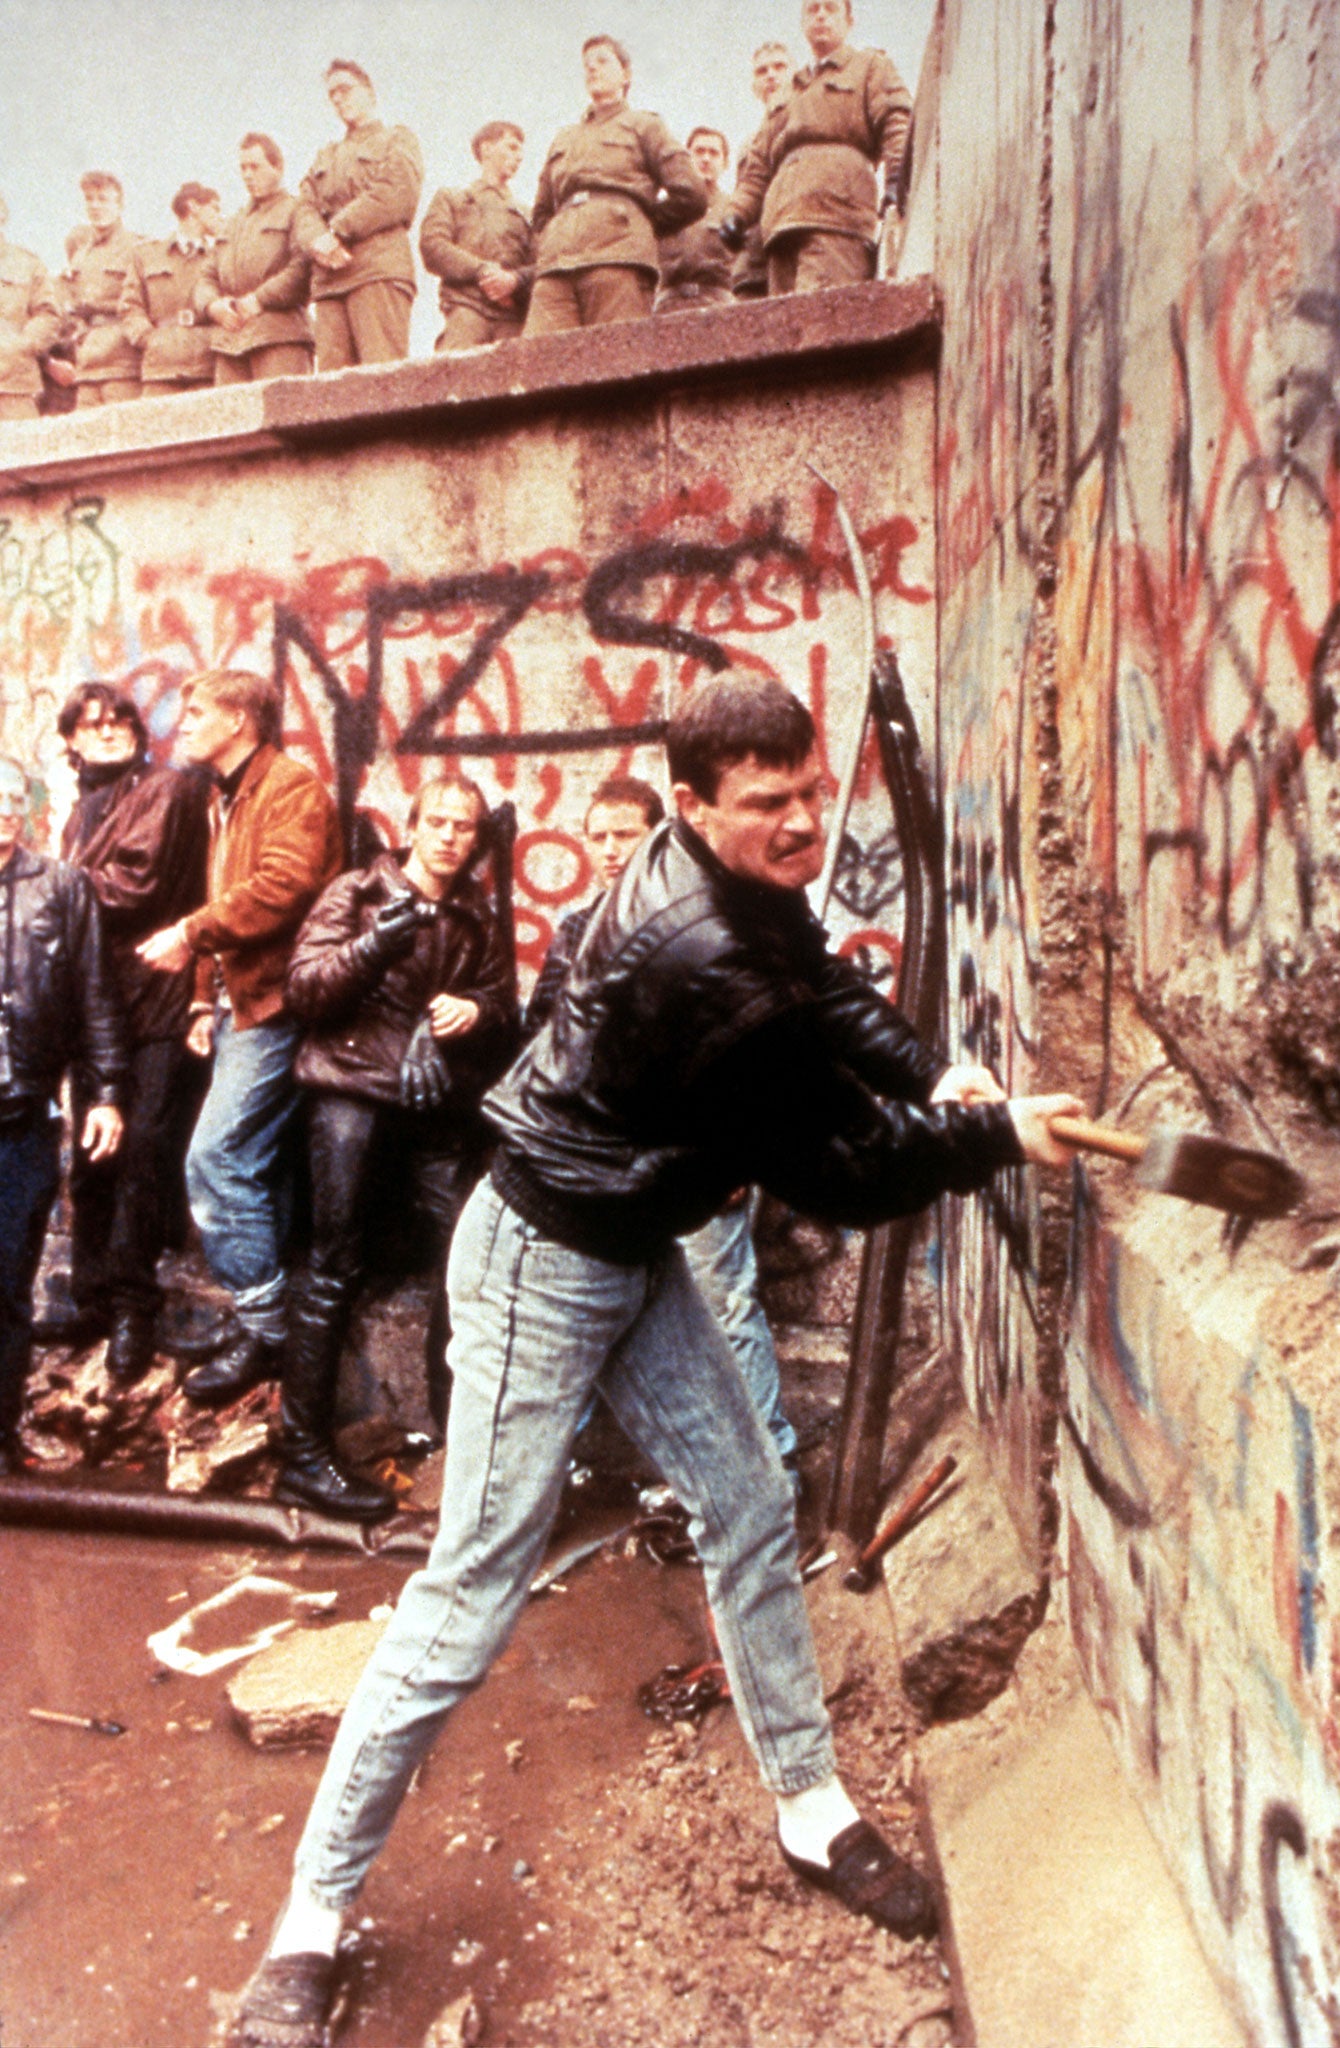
(310, 1478)
(234, 1372)
(130, 1348)
(871, 1878)
(286, 2004)
(195, 1330)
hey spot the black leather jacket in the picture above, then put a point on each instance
(61, 1002)
(706, 1039)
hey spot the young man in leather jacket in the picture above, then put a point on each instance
(404, 985)
(706, 1039)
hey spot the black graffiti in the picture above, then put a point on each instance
(506, 595)
(634, 567)
(868, 880)
(1124, 1508)
(1281, 1828)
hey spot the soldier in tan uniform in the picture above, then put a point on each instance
(479, 242)
(812, 179)
(29, 323)
(695, 263)
(256, 282)
(610, 185)
(158, 309)
(355, 210)
(102, 364)
(770, 80)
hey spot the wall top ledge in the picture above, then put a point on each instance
(759, 336)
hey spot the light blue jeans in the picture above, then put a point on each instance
(722, 1261)
(236, 1177)
(534, 1328)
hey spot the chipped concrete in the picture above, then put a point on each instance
(294, 1693)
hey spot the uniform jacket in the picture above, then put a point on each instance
(366, 189)
(697, 257)
(272, 852)
(461, 232)
(610, 184)
(257, 252)
(159, 288)
(92, 286)
(62, 1004)
(361, 1019)
(29, 320)
(812, 164)
(142, 840)
(705, 1040)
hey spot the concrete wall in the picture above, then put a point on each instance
(524, 558)
(1133, 208)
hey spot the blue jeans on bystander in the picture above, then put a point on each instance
(236, 1174)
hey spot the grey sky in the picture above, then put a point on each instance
(162, 90)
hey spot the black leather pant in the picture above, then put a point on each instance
(435, 1164)
(120, 1208)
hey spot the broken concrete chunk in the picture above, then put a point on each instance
(296, 1691)
(205, 1447)
(965, 1600)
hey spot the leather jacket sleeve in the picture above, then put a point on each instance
(815, 1135)
(875, 1040)
(326, 974)
(162, 834)
(102, 1046)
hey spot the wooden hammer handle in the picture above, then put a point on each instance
(1091, 1137)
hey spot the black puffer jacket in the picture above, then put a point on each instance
(63, 1007)
(706, 1039)
(361, 1019)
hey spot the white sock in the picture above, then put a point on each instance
(807, 1821)
(306, 1928)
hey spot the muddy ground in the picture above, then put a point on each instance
(566, 1872)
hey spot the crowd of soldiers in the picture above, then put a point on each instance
(626, 222)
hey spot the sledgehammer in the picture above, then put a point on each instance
(1192, 1164)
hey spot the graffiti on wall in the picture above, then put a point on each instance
(540, 675)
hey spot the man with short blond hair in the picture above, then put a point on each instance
(256, 282)
(355, 210)
(274, 845)
(402, 982)
(771, 70)
(479, 243)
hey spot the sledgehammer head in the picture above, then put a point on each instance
(1206, 1169)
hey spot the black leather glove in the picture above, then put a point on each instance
(425, 1082)
(732, 232)
(390, 933)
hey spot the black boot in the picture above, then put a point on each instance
(226, 1378)
(130, 1348)
(310, 1476)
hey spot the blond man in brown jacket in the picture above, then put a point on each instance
(810, 175)
(610, 185)
(274, 845)
(355, 210)
(256, 282)
(29, 323)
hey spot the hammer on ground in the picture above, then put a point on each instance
(1193, 1164)
(864, 1572)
